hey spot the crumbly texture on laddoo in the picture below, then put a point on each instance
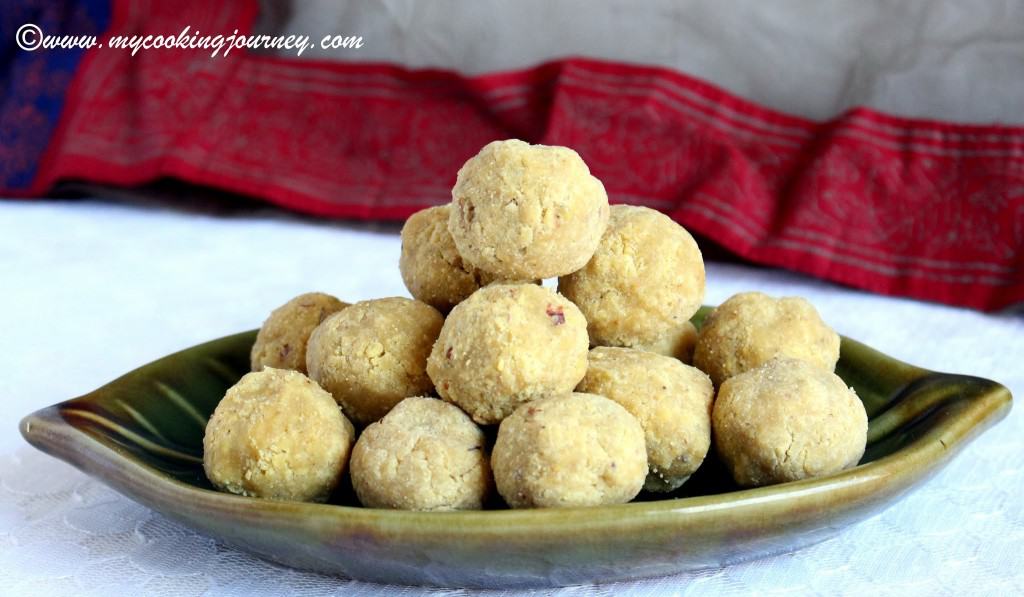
(569, 450)
(508, 344)
(431, 266)
(373, 354)
(751, 328)
(672, 402)
(281, 342)
(787, 420)
(277, 435)
(425, 454)
(646, 276)
(676, 342)
(527, 212)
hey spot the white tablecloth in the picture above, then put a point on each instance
(89, 290)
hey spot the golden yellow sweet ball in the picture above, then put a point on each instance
(646, 277)
(569, 450)
(671, 400)
(527, 212)
(508, 344)
(431, 266)
(373, 354)
(751, 328)
(677, 341)
(281, 341)
(425, 454)
(277, 435)
(787, 420)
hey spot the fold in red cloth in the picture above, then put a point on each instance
(908, 207)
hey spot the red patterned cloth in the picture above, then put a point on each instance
(917, 208)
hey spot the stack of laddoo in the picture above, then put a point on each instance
(599, 390)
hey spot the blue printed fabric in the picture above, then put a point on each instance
(33, 83)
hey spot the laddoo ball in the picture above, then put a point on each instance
(277, 435)
(508, 344)
(677, 342)
(647, 276)
(425, 454)
(281, 341)
(787, 420)
(569, 450)
(671, 400)
(373, 354)
(431, 266)
(750, 328)
(527, 212)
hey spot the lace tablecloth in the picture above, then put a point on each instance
(93, 289)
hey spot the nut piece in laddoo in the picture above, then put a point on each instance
(281, 341)
(425, 454)
(750, 328)
(672, 402)
(646, 277)
(508, 344)
(431, 266)
(373, 354)
(527, 212)
(569, 450)
(676, 342)
(787, 420)
(277, 435)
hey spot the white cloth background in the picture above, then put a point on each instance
(959, 60)
(89, 290)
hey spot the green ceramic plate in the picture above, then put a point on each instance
(142, 435)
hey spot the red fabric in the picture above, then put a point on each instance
(924, 209)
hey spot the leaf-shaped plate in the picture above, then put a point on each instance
(142, 435)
